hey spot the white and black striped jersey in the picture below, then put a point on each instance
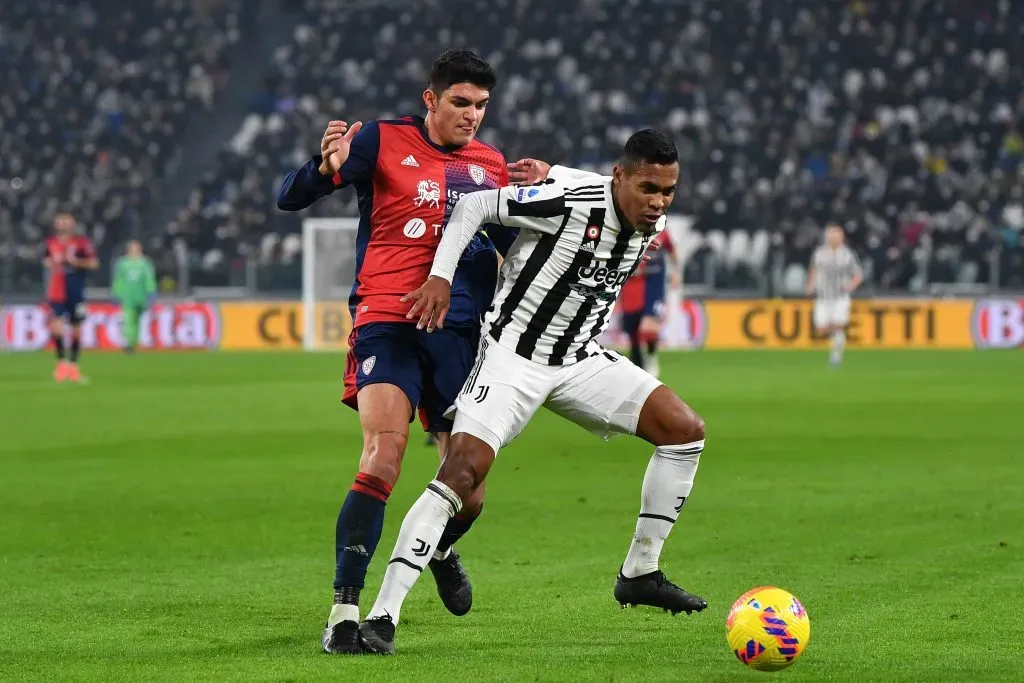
(561, 277)
(834, 269)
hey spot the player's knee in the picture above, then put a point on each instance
(465, 466)
(382, 455)
(666, 420)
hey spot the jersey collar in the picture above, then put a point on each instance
(422, 128)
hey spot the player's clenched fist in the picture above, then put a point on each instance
(528, 171)
(432, 301)
(335, 145)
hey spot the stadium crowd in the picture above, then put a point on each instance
(95, 96)
(901, 120)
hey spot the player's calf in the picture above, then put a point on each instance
(383, 414)
(461, 474)
(678, 435)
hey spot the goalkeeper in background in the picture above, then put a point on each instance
(135, 288)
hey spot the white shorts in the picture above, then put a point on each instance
(831, 312)
(603, 394)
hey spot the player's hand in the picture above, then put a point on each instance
(650, 325)
(336, 144)
(651, 250)
(432, 302)
(528, 171)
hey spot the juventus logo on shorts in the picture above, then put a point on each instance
(481, 393)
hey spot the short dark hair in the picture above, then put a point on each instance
(649, 146)
(460, 66)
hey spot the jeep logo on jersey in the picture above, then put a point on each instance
(415, 228)
(428, 193)
(602, 275)
(477, 174)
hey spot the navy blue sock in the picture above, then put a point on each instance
(58, 345)
(456, 528)
(635, 352)
(76, 344)
(360, 523)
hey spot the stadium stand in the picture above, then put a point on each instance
(897, 119)
(95, 96)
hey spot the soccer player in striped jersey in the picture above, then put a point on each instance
(579, 240)
(834, 274)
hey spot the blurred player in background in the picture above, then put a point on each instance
(135, 287)
(68, 257)
(642, 303)
(408, 175)
(833, 275)
(582, 238)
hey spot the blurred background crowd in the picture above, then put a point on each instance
(175, 120)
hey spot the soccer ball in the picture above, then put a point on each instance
(767, 628)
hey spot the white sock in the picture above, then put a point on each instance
(838, 342)
(439, 556)
(420, 532)
(341, 613)
(667, 484)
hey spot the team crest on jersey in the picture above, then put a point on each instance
(368, 364)
(428, 193)
(478, 174)
(591, 238)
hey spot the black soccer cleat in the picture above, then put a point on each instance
(342, 639)
(656, 590)
(453, 584)
(378, 635)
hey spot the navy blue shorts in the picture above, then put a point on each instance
(430, 368)
(72, 310)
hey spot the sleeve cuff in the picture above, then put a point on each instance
(331, 181)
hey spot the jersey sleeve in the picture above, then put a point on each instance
(540, 207)
(118, 283)
(305, 185)
(87, 248)
(855, 268)
(362, 157)
(565, 173)
(502, 238)
(150, 278)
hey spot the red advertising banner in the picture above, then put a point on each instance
(179, 326)
(998, 324)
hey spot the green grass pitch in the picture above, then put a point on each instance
(174, 520)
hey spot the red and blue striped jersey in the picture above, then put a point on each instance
(66, 283)
(407, 187)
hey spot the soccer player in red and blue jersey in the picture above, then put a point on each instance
(641, 302)
(408, 175)
(68, 257)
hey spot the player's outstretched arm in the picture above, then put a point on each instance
(345, 156)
